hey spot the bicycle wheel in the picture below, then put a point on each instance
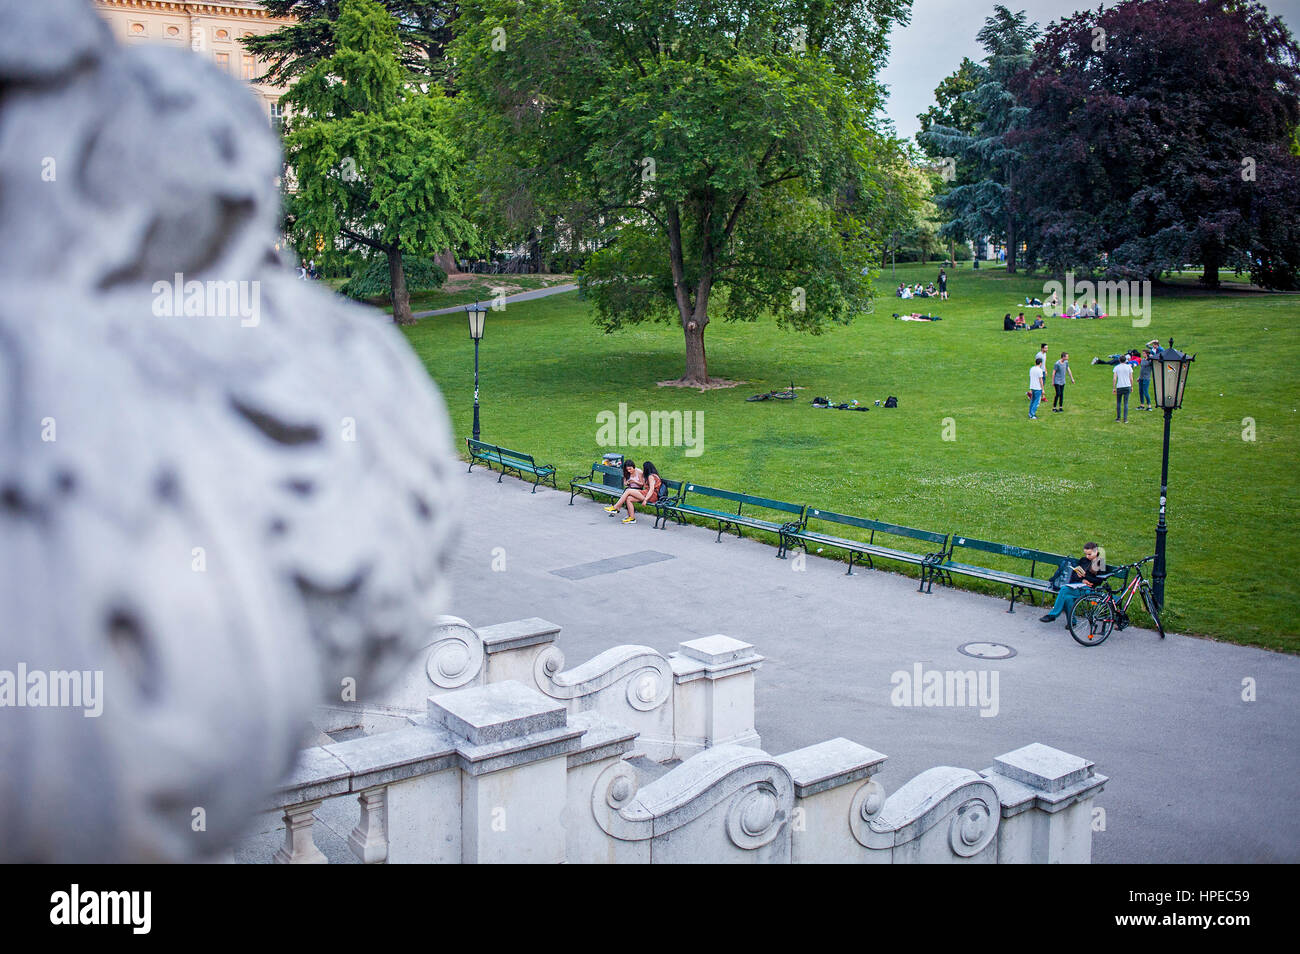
(1149, 602)
(1091, 619)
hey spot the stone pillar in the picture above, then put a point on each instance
(369, 840)
(511, 745)
(1046, 797)
(512, 648)
(827, 796)
(713, 702)
(298, 847)
(604, 743)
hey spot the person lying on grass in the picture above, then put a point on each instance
(642, 488)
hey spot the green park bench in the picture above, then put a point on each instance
(697, 500)
(603, 479)
(509, 460)
(823, 536)
(1026, 583)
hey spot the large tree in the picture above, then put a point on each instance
(988, 203)
(369, 155)
(424, 27)
(1163, 134)
(724, 157)
(953, 109)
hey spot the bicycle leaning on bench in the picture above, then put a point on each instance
(1101, 610)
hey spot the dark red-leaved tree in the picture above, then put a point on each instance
(1163, 132)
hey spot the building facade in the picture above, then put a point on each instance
(212, 30)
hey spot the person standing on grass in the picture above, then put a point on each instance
(943, 285)
(1144, 381)
(1123, 388)
(1042, 353)
(1036, 374)
(1059, 372)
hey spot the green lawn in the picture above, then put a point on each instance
(1234, 538)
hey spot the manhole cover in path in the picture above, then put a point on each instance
(987, 650)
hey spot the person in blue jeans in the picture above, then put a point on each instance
(1084, 576)
(1036, 376)
(1144, 381)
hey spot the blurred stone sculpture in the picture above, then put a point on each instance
(222, 489)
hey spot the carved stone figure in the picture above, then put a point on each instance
(224, 493)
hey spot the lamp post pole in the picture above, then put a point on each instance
(476, 341)
(1170, 378)
(1158, 571)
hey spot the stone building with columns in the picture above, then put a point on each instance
(211, 29)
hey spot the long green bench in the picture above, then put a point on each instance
(698, 501)
(807, 533)
(1026, 583)
(596, 483)
(508, 460)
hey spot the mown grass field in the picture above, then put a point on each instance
(1234, 539)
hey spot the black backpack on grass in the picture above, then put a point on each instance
(891, 401)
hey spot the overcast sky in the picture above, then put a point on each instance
(943, 31)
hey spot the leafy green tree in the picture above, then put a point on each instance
(371, 159)
(989, 204)
(724, 158)
(424, 27)
(953, 109)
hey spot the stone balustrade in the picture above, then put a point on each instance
(679, 704)
(501, 772)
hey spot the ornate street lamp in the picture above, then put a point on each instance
(1169, 376)
(477, 314)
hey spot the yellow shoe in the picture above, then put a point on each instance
(611, 510)
(629, 519)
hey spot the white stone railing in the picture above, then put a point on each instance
(503, 773)
(679, 704)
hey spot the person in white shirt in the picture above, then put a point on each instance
(1036, 374)
(1123, 388)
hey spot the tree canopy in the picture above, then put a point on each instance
(1168, 141)
(722, 159)
(372, 161)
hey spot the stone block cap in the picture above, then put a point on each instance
(717, 650)
(1043, 767)
(497, 712)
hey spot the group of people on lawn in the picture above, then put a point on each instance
(1126, 365)
(928, 291)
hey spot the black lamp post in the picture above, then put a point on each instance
(476, 313)
(1169, 377)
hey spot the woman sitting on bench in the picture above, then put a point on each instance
(642, 488)
(1083, 576)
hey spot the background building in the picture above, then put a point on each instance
(212, 30)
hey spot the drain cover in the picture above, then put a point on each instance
(987, 650)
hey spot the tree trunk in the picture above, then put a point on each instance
(401, 297)
(697, 366)
(535, 250)
(1013, 244)
(1212, 259)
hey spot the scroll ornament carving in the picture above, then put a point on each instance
(456, 657)
(649, 675)
(961, 798)
(224, 510)
(758, 793)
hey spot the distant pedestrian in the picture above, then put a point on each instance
(1036, 374)
(1060, 371)
(1123, 388)
(943, 285)
(311, 270)
(1144, 381)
